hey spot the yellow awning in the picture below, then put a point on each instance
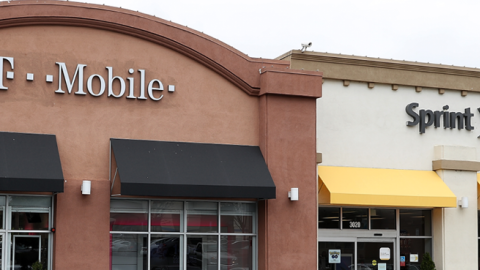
(382, 187)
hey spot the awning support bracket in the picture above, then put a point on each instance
(320, 188)
(113, 181)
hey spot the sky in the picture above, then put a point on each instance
(440, 32)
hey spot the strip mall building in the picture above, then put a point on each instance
(398, 174)
(128, 142)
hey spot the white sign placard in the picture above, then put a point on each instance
(385, 253)
(413, 257)
(382, 266)
(334, 256)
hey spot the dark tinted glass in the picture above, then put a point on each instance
(28, 248)
(368, 256)
(355, 218)
(383, 219)
(328, 218)
(478, 226)
(165, 252)
(415, 222)
(236, 252)
(346, 251)
(412, 251)
(202, 253)
(29, 221)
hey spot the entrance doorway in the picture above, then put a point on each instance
(355, 230)
(26, 251)
(375, 254)
(357, 253)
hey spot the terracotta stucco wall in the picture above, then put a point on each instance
(216, 101)
(204, 108)
(288, 230)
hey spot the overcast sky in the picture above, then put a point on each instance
(445, 32)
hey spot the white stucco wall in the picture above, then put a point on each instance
(455, 229)
(362, 127)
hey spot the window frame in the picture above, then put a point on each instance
(346, 234)
(8, 234)
(184, 234)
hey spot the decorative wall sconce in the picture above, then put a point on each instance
(463, 202)
(293, 194)
(86, 187)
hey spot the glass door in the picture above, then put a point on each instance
(375, 254)
(26, 251)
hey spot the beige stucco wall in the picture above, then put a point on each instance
(455, 229)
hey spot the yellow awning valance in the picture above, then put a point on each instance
(382, 187)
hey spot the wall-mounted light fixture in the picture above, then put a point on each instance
(463, 202)
(293, 194)
(86, 187)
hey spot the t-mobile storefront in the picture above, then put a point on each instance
(130, 142)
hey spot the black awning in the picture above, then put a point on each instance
(178, 169)
(30, 163)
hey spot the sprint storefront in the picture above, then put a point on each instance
(398, 150)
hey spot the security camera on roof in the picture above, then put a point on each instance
(306, 45)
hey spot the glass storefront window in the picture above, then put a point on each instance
(236, 251)
(415, 222)
(383, 219)
(165, 251)
(237, 217)
(346, 261)
(414, 246)
(355, 218)
(30, 203)
(29, 221)
(202, 217)
(128, 215)
(29, 212)
(129, 251)
(328, 218)
(182, 235)
(409, 229)
(203, 252)
(25, 236)
(166, 216)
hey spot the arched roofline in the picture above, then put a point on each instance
(233, 65)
